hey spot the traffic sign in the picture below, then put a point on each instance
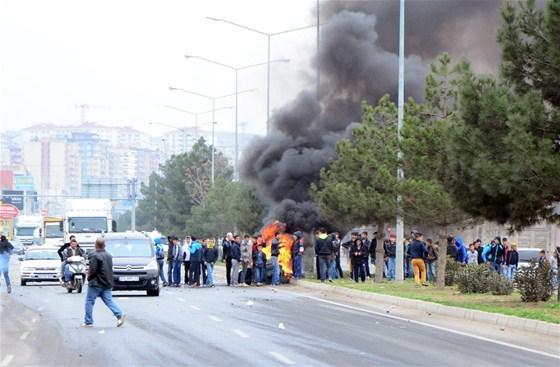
(8, 211)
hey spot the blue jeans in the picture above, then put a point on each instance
(160, 271)
(176, 272)
(432, 270)
(324, 267)
(333, 273)
(511, 271)
(67, 273)
(210, 274)
(5, 268)
(391, 268)
(298, 266)
(259, 273)
(275, 270)
(106, 295)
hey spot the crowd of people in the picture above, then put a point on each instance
(191, 262)
(420, 257)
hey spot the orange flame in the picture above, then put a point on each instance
(286, 243)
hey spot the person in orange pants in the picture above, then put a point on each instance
(418, 252)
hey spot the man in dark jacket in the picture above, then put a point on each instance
(226, 255)
(175, 260)
(418, 253)
(496, 255)
(367, 246)
(323, 250)
(297, 255)
(61, 255)
(209, 257)
(390, 249)
(235, 258)
(274, 253)
(73, 250)
(100, 284)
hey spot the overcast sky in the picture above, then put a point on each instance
(121, 56)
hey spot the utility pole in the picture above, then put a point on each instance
(132, 196)
(318, 58)
(400, 174)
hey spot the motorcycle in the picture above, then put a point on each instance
(77, 269)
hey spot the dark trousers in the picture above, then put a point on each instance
(187, 265)
(317, 267)
(228, 270)
(170, 264)
(338, 268)
(358, 271)
(324, 262)
(366, 265)
(195, 273)
(204, 272)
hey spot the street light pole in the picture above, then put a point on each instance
(400, 174)
(236, 69)
(269, 36)
(213, 141)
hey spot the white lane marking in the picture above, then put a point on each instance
(7, 360)
(240, 333)
(34, 320)
(215, 318)
(102, 332)
(180, 299)
(505, 344)
(281, 326)
(195, 307)
(24, 335)
(281, 358)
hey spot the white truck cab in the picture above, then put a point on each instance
(28, 228)
(88, 219)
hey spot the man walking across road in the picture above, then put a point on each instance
(5, 251)
(226, 255)
(100, 284)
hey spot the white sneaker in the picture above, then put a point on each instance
(87, 325)
(121, 321)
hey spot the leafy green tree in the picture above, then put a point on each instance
(183, 182)
(124, 221)
(229, 206)
(360, 186)
(503, 151)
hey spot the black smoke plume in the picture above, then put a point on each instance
(358, 62)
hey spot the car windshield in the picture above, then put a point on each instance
(88, 224)
(42, 255)
(25, 231)
(53, 231)
(526, 255)
(130, 248)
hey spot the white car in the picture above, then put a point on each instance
(526, 254)
(40, 264)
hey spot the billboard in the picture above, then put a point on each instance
(6, 179)
(24, 183)
(14, 197)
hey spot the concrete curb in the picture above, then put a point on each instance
(514, 322)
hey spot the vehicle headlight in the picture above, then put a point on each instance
(152, 265)
(28, 270)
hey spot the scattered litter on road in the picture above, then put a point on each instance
(250, 303)
(281, 326)
(102, 332)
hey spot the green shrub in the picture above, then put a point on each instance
(534, 282)
(499, 285)
(473, 279)
(451, 270)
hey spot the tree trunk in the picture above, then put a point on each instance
(442, 260)
(379, 253)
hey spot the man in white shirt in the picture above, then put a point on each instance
(187, 258)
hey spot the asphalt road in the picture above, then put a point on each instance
(222, 326)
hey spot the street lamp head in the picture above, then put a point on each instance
(172, 88)
(187, 56)
(214, 19)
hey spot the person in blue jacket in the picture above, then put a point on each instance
(196, 262)
(462, 256)
(160, 255)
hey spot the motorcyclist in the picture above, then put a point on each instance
(73, 250)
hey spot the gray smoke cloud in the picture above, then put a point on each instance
(358, 62)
